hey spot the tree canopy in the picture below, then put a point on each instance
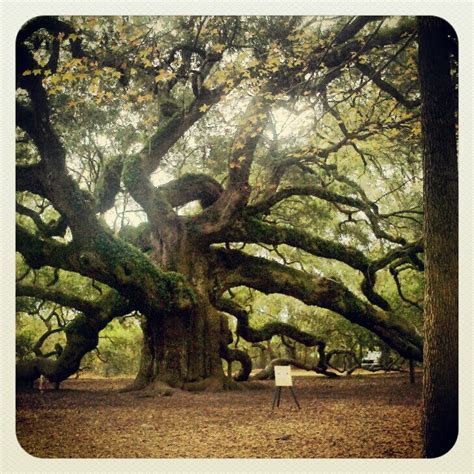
(170, 167)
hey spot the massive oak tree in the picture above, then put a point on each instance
(234, 142)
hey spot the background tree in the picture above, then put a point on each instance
(164, 162)
(438, 65)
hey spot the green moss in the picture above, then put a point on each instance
(108, 184)
(79, 332)
(166, 125)
(134, 235)
(134, 269)
(132, 172)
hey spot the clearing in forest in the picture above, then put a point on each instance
(359, 416)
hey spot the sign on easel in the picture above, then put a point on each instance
(283, 379)
(283, 376)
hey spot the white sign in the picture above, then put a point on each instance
(283, 376)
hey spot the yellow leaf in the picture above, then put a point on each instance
(253, 63)
(220, 77)
(47, 72)
(164, 75)
(27, 73)
(218, 48)
(36, 72)
(55, 79)
(204, 108)
(93, 88)
(68, 76)
(72, 37)
(241, 158)
(239, 146)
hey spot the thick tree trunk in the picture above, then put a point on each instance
(440, 389)
(182, 349)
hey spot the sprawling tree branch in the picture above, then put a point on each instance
(271, 277)
(81, 337)
(50, 229)
(111, 301)
(235, 196)
(369, 209)
(253, 230)
(113, 262)
(231, 355)
(192, 187)
(269, 330)
(81, 333)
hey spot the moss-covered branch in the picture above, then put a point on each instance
(253, 230)
(81, 337)
(81, 333)
(47, 229)
(111, 301)
(370, 210)
(192, 187)
(268, 277)
(231, 355)
(115, 263)
(269, 330)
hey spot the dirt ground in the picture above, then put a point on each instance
(355, 417)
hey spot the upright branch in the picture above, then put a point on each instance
(235, 195)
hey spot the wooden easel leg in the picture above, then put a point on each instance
(294, 398)
(278, 397)
(275, 392)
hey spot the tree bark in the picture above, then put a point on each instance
(182, 349)
(440, 389)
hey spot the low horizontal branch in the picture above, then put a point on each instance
(235, 268)
(269, 330)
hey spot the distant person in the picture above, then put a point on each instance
(42, 383)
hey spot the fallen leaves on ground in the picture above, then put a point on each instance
(354, 417)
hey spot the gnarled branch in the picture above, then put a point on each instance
(268, 277)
